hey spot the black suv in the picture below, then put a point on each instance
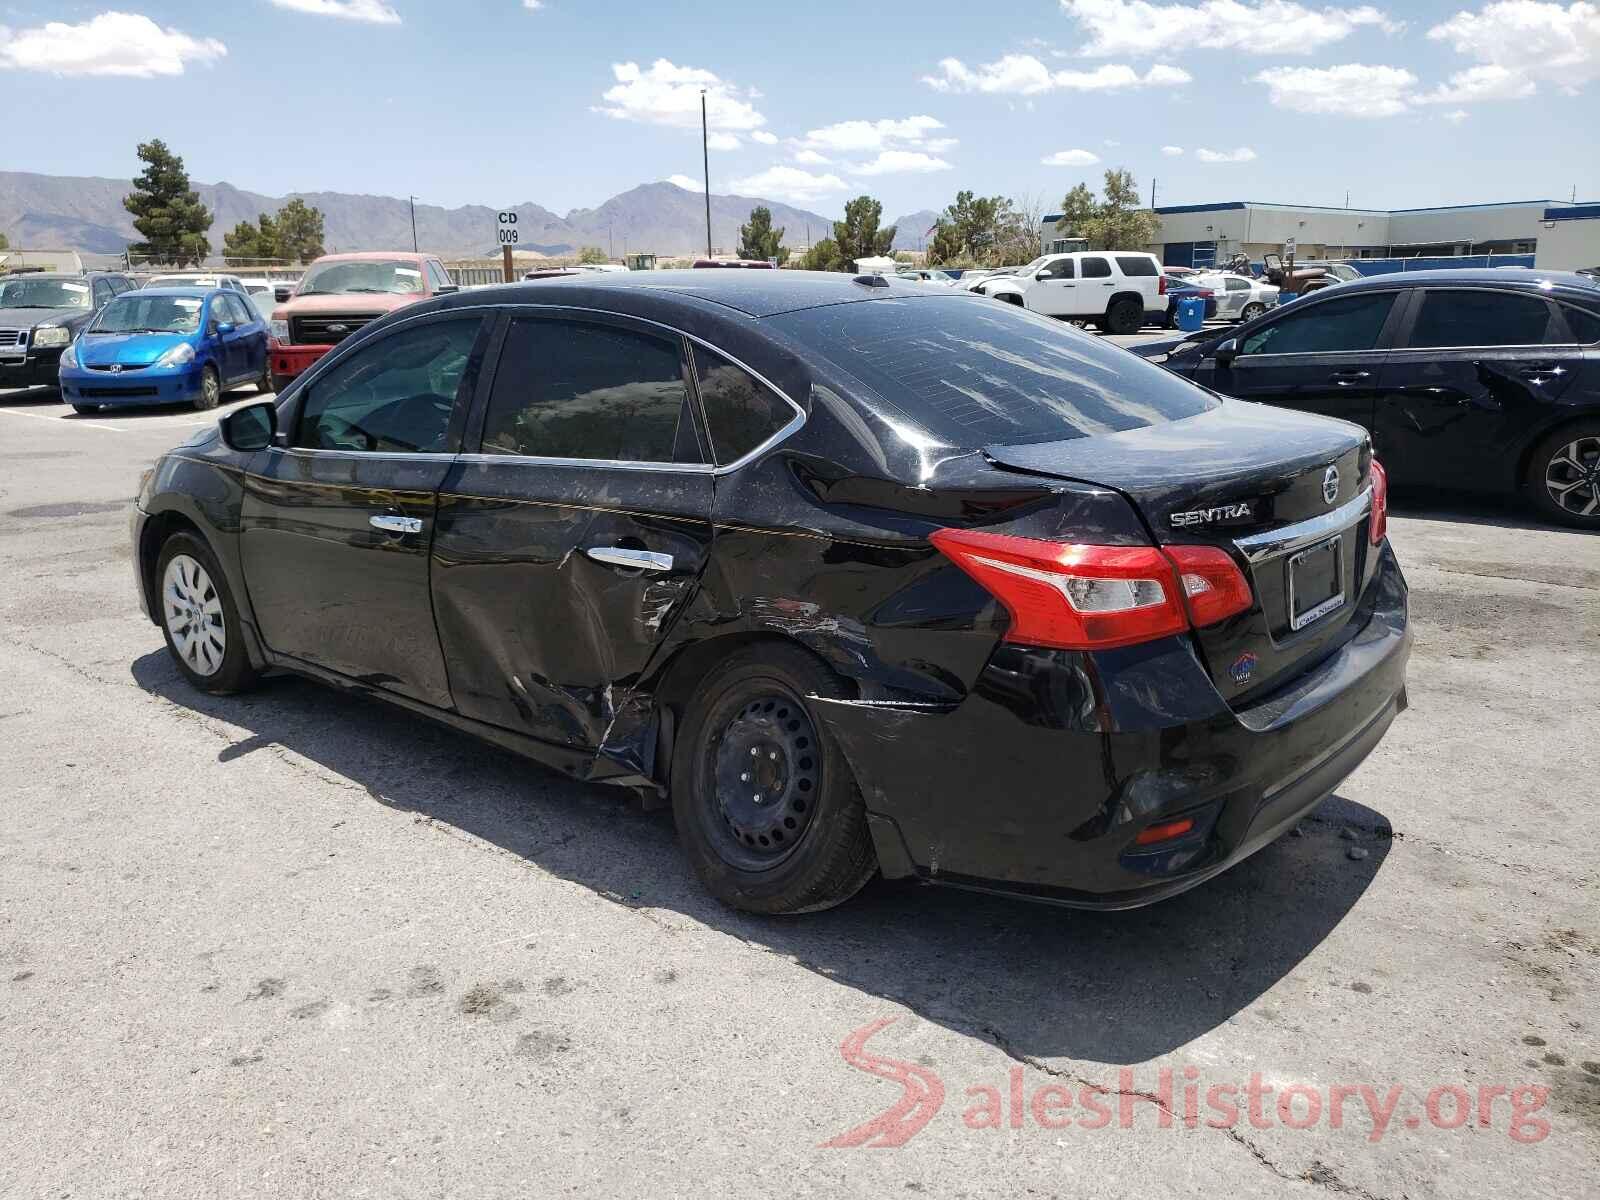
(41, 313)
(1483, 380)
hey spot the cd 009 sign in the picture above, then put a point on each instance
(506, 227)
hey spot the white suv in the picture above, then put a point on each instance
(1117, 289)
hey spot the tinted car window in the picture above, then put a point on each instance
(1463, 318)
(566, 389)
(1137, 264)
(393, 395)
(1096, 268)
(1349, 323)
(741, 411)
(1585, 325)
(973, 373)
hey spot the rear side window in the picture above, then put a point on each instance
(1585, 325)
(1234, 284)
(973, 373)
(1480, 318)
(570, 389)
(1347, 324)
(1137, 264)
(741, 411)
(1096, 268)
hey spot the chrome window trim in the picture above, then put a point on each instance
(534, 460)
(364, 455)
(1260, 547)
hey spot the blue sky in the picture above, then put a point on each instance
(566, 102)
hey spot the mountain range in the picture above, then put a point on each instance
(85, 213)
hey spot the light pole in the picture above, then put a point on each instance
(705, 158)
(413, 200)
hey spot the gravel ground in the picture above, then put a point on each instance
(295, 944)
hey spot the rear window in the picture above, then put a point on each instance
(1137, 264)
(974, 373)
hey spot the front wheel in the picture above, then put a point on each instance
(210, 390)
(264, 382)
(766, 807)
(199, 619)
(85, 409)
(1124, 316)
(1564, 475)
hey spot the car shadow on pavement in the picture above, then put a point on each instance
(1037, 981)
(1467, 508)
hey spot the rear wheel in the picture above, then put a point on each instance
(1564, 475)
(1124, 316)
(765, 805)
(85, 409)
(199, 619)
(1252, 311)
(210, 389)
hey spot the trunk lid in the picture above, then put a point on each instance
(1255, 481)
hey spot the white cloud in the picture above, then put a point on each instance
(1351, 90)
(1025, 75)
(717, 140)
(1553, 42)
(790, 183)
(811, 158)
(667, 94)
(1142, 29)
(1488, 81)
(867, 137)
(532, 5)
(375, 12)
(1242, 154)
(1070, 158)
(1456, 117)
(112, 43)
(897, 162)
(765, 138)
(686, 183)
(1172, 151)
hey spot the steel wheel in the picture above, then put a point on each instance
(767, 777)
(192, 610)
(1572, 477)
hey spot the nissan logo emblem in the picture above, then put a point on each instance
(1330, 484)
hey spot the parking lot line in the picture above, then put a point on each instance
(12, 412)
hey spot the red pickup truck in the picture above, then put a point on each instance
(338, 294)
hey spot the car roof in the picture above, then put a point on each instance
(377, 256)
(179, 291)
(754, 293)
(1529, 279)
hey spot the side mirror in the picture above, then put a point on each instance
(446, 289)
(222, 327)
(281, 292)
(250, 428)
(1226, 352)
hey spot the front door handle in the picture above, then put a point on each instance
(390, 524)
(624, 556)
(1349, 378)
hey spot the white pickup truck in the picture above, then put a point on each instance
(1119, 290)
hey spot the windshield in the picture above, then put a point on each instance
(973, 374)
(1344, 271)
(44, 293)
(397, 278)
(133, 313)
(1027, 270)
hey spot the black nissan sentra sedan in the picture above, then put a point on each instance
(859, 575)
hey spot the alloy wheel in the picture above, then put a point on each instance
(210, 390)
(767, 776)
(1572, 477)
(192, 610)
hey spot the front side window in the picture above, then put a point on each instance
(1480, 318)
(1096, 268)
(1060, 269)
(1347, 324)
(741, 411)
(136, 313)
(235, 310)
(394, 395)
(398, 277)
(571, 389)
(438, 276)
(1585, 325)
(102, 292)
(44, 293)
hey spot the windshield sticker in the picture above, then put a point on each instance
(75, 287)
(407, 271)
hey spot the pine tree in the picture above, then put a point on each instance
(758, 240)
(298, 233)
(858, 235)
(166, 210)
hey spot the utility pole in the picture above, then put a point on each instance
(413, 200)
(1152, 193)
(705, 158)
(1347, 198)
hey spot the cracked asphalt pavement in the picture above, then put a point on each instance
(297, 944)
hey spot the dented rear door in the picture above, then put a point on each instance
(572, 537)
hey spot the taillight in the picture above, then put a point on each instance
(1378, 526)
(1076, 597)
(1163, 286)
(1152, 834)
(1204, 293)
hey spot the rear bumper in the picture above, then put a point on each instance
(289, 361)
(1056, 761)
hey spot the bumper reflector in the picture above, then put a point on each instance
(1164, 833)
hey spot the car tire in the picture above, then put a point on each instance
(210, 390)
(265, 382)
(85, 409)
(1010, 298)
(1124, 316)
(797, 841)
(1563, 475)
(1251, 311)
(279, 382)
(198, 617)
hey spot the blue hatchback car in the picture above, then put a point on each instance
(177, 345)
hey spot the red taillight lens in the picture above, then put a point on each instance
(1077, 597)
(1163, 286)
(1378, 525)
(1213, 585)
(1204, 293)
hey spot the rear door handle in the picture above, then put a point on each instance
(1349, 378)
(391, 524)
(624, 556)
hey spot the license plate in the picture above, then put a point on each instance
(1316, 582)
